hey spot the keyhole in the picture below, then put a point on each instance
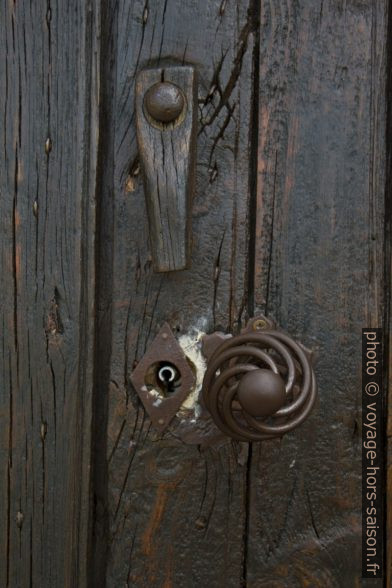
(168, 377)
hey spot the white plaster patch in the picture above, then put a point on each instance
(191, 346)
(154, 393)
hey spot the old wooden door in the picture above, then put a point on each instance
(288, 220)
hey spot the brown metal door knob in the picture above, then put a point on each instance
(259, 384)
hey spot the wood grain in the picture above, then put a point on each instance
(49, 106)
(318, 272)
(172, 528)
(289, 219)
(387, 319)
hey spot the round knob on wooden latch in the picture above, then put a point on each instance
(164, 102)
(259, 385)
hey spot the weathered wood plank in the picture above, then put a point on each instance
(319, 272)
(49, 110)
(388, 341)
(388, 308)
(179, 521)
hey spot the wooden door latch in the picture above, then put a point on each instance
(166, 117)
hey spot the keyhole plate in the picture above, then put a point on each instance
(163, 361)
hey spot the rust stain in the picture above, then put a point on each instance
(169, 570)
(263, 136)
(18, 256)
(168, 583)
(263, 170)
(155, 519)
(17, 219)
(292, 149)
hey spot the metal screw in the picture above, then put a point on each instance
(259, 324)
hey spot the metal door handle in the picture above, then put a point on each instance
(166, 116)
(258, 385)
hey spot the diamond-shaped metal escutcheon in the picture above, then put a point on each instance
(164, 350)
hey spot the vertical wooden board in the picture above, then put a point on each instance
(319, 272)
(388, 325)
(171, 528)
(49, 106)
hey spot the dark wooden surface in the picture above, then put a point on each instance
(49, 107)
(388, 338)
(319, 271)
(287, 220)
(175, 513)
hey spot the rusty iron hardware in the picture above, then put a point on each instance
(164, 102)
(166, 117)
(163, 378)
(259, 384)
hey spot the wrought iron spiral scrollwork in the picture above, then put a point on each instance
(259, 385)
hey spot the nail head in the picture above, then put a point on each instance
(164, 102)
